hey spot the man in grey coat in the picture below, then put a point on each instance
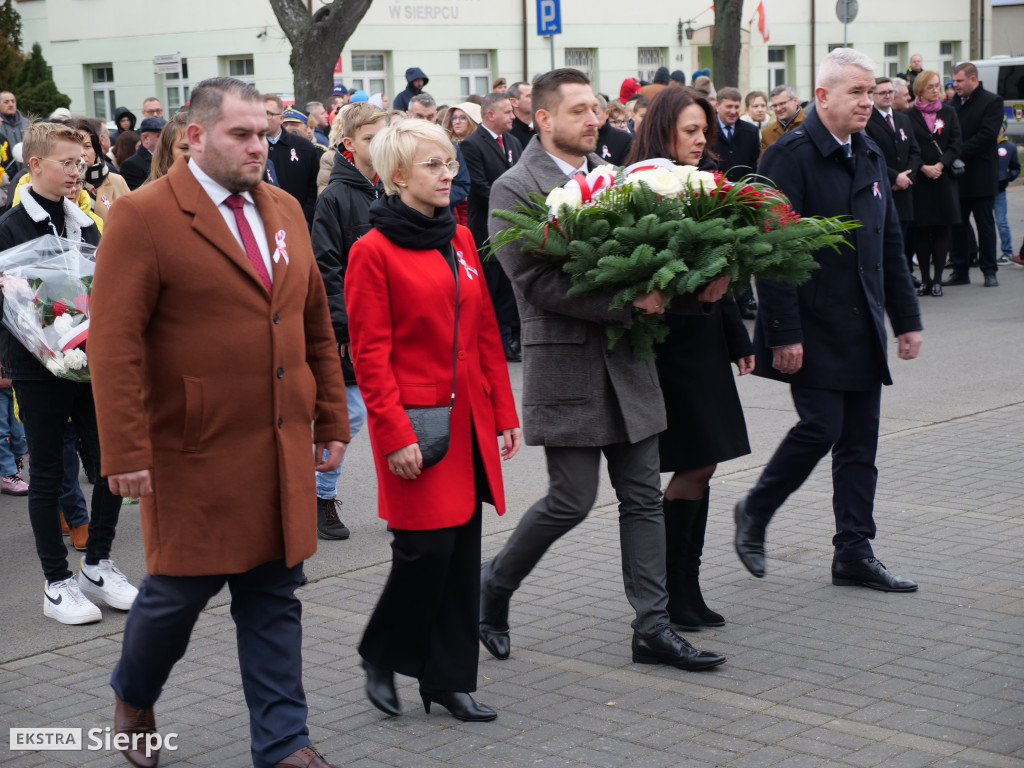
(581, 400)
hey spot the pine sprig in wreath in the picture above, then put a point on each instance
(668, 228)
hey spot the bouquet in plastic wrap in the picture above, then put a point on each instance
(46, 285)
(656, 225)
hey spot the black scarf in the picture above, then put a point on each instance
(408, 228)
(95, 174)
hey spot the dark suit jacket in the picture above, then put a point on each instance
(613, 144)
(297, 163)
(839, 314)
(980, 118)
(521, 131)
(486, 162)
(135, 169)
(738, 157)
(901, 153)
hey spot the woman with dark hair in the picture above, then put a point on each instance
(172, 145)
(705, 417)
(936, 196)
(103, 186)
(125, 146)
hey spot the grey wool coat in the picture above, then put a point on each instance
(576, 392)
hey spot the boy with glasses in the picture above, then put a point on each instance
(53, 154)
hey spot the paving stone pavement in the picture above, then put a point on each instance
(817, 675)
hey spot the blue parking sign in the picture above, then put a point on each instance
(549, 17)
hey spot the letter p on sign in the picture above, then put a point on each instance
(549, 17)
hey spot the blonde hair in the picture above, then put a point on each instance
(468, 110)
(40, 139)
(394, 148)
(923, 78)
(355, 116)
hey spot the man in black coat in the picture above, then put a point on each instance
(738, 143)
(521, 96)
(827, 337)
(981, 116)
(416, 80)
(613, 144)
(135, 169)
(296, 160)
(489, 151)
(891, 131)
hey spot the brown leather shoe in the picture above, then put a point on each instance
(138, 724)
(307, 757)
(80, 536)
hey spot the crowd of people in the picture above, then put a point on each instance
(263, 268)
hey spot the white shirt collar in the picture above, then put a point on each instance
(568, 169)
(884, 112)
(216, 192)
(493, 134)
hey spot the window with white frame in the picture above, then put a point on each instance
(101, 83)
(891, 59)
(240, 67)
(474, 73)
(778, 62)
(648, 60)
(369, 72)
(177, 88)
(581, 59)
(949, 52)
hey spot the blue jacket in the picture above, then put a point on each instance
(1009, 162)
(839, 314)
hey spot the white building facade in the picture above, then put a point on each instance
(109, 53)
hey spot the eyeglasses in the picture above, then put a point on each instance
(889, 92)
(459, 118)
(775, 107)
(434, 165)
(274, 114)
(153, 112)
(76, 167)
(619, 123)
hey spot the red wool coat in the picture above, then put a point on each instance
(401, 306)
(202, 377)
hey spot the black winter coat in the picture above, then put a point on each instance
(613, 144)
(297, 163)
(936, 201)
(980, 119)
(738, 157)
(486, 162)
(839, 314)
(901, 153)
(342, 216)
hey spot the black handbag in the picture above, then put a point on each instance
(433, 425)
(957, 167)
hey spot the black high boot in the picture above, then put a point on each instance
(695, 541)
(679, 514)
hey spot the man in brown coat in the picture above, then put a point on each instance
(788, 115)
(212, 353)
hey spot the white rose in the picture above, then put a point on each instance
(702, 180)
(75, 359)
(62, 324)
(684, 172)
(661, 181)
(560, 196)
(55, 365)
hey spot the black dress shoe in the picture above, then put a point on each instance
(991, 281)
(511, 355)
(749, 540)
(666, 647)
(869, 573)
(380, 689)
(936, 289)
(494, 631)
(956, 279)
(461, 705)
(516, 346)
(917, 283)
(924, 289)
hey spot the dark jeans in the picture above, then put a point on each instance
(46, 405)
(983, 209)
(845, 423)
(72, 500)
(506, 312)
(268, 629)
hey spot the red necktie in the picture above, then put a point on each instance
(252, 250)
(501, 144)
(888, 119)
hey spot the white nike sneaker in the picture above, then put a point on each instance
(64, 601)
(105, 582)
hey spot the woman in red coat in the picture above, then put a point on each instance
(401, 287)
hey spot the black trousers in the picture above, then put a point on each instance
(983, 209)
(845, 423)
(503, 298)
(427, 621)
(45, 406)
(268, 628)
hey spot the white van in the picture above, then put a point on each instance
(1005, 75)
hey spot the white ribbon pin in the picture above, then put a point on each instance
(295, 157)
(282, 251)
(466, 266)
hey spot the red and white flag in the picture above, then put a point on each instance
(762, 21)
